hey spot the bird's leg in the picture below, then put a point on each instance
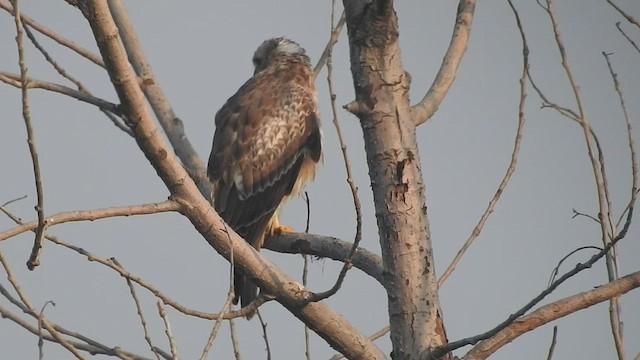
(277, 228)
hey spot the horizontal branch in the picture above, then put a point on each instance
(553, 311)
(326, 247)
(94, 214)
(14, 80)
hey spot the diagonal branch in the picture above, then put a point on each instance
(629, 18)
(318, 316)
(6, 6)
(553, 311)
(512, 164)
(424, 110)
(171, 124)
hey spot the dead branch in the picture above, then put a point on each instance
(91, 215)
(171, 124)
(553, 311)
(14, 80)
(6, 6)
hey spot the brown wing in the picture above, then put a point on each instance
(263, 135)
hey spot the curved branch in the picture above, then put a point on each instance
(553, 311)
(95, 214)
(326, 247)
(424, 110)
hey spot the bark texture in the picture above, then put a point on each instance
(382, 105)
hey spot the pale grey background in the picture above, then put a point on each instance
(201, 54)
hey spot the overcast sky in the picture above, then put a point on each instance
(201, 53)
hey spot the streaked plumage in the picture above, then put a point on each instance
(266, 145)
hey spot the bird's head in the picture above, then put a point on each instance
(278, 51)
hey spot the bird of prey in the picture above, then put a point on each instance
(266, 146)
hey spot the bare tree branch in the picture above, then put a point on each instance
(171, 124)
(333, 39)
(627, 37)
(553, 311)
(34, 258)
(510, 169)
(347, 165)
(91, 215)
(6, 6)
(552, 347)
(616, 322)
(14, 80)
(119, 124)
(167, 331)
(326, 247)
(424, 110)
(143, 322)
(629, 18)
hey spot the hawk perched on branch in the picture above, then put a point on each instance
(265, 147)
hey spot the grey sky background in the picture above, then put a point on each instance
(201, 52)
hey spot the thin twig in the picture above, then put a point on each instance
(577, 213)
(510, 169)
(234, 339)
(225, 306)
(305, 275)
(627, 37)
(34, 258)
(598, 166)
(579, 267)
(14, 200)
(96, 59)
(333, 39)
(40, 338)
(132, 290)
(264, 335)
(31, 310)
(552, 347)
(555, 271)
(119, 124)
(88, 347)
(347, 165)
(629, 18)
(167, 331)
(616, 322)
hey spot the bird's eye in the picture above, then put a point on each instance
(257, 61)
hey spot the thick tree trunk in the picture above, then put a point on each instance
(382, 105)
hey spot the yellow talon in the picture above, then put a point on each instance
(283, 229)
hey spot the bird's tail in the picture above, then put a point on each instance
(245, 289)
